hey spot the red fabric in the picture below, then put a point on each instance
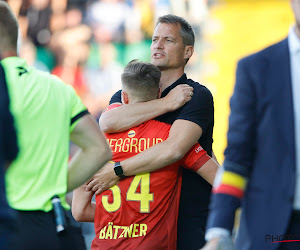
(195, 158)
(153, 229)
(200, 162)
(112, 106)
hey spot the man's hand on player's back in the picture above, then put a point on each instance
(104, 179)
(178, 96)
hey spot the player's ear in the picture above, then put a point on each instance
(188, 51)
(159, 93)
(125, 99)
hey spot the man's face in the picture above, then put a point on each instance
(167, 49)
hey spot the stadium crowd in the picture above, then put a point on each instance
(88, 43)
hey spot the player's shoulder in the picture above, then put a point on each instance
(62, 90)
(55, 82)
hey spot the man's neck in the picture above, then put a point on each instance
(9, 53)
(168, 77)
(297, 31)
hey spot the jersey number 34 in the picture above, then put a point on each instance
(144, 196)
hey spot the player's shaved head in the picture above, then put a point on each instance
(8, 29)
(141, 80)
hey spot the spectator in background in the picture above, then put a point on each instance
(69, 69)
(71, 49)
(39, 14)
(103, 78)
(145, 8)
(8, 152)
(116, 19)
(47, 113)
(262, 159)
(195, 12)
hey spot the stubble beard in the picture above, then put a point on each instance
(162, 67)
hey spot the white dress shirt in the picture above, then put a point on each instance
(294, 47)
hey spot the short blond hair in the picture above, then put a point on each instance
(141, 80)
(8, 28)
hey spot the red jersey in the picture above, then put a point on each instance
(141, 211)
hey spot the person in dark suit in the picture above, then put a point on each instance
(262, 159)
(8, 152)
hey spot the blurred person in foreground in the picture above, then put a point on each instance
(47, 113)
(141, 211)
(188, 107)
(262, 159)
(8, 152)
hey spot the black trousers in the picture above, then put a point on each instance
(37, 231)
(7, 233)
(186, 239)
(293, 233)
